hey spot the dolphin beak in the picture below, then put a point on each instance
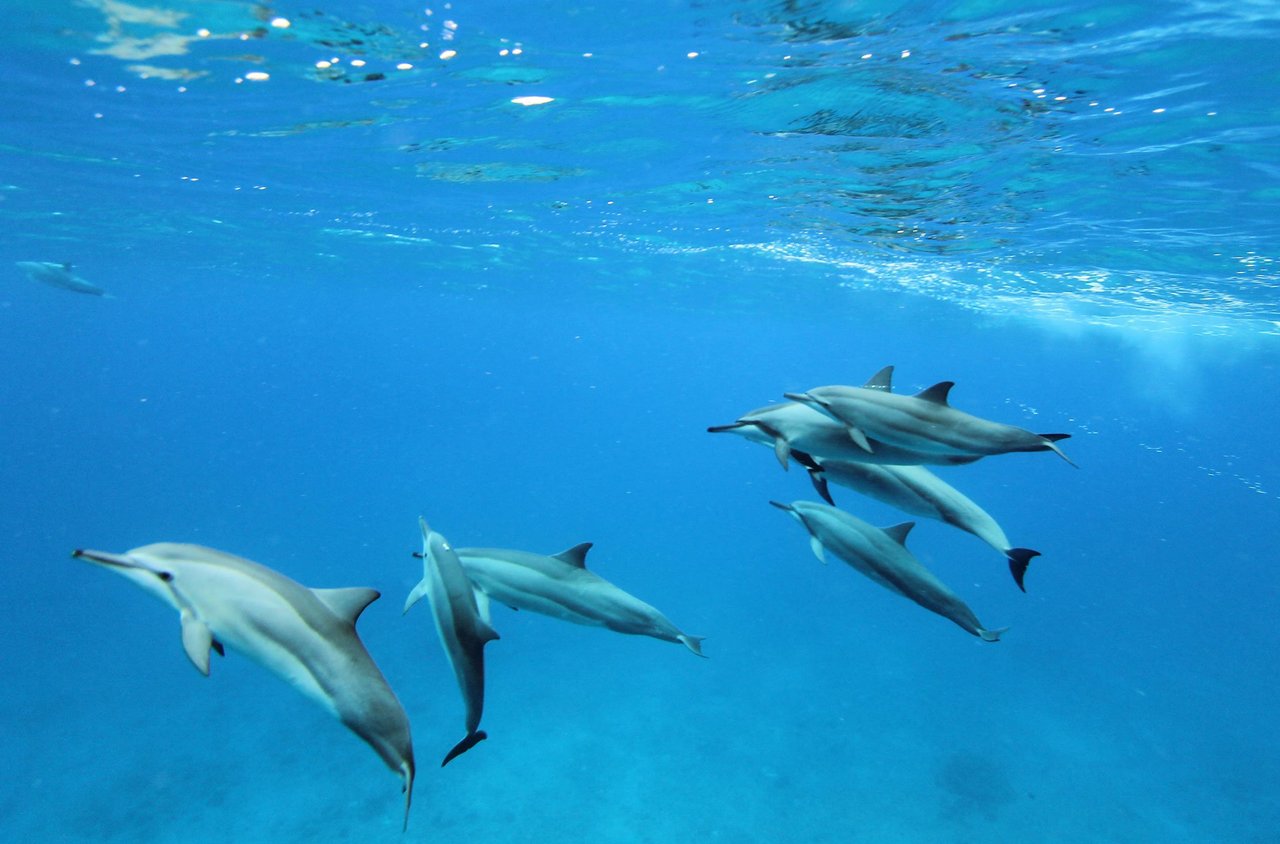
(104, 558)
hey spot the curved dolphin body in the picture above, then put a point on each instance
(463, 633)
(561, 586)
(916, 490)
(58, 275)
(923, 422)
(793, 428)
(306, 636)
(880, 554)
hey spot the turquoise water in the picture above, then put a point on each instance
(339, 303)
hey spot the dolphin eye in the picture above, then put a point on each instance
(165, 576)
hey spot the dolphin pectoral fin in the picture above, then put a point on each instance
(859, 438)
(693, 643)
(482, 604)
(991, 635)
(197, 639)
(416, 595)
(468, 742)
(818, 550)
(347, 604)
(1019, 559)
(1051, 442)
(782, 451)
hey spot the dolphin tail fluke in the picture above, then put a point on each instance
(1051, 442)
(693, 643)
(856, 434)
(406, 771)
(820, 484)
(469, 741)
(991, 635)
(1019, 559)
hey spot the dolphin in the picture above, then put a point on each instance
(916, 490)
(923, 422)
(561, 586)
(463, 632)
(306, 636)
(58, 275)
(881, 554)
(791, 428)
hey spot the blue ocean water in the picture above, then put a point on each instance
(343, 295)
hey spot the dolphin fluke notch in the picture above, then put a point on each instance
(1019, 559)
(468, 742)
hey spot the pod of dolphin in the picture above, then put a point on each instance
(875, 441)
(308, 636)
(865, 438)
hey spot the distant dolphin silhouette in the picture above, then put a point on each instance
(916, 490)
(305, 636)
(463, 633)
(881, 554)
(923, 422)
(561, 586)
(58, 275)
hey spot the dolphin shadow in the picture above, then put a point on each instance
(974, 785)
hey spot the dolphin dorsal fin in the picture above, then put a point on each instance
(882, 380)
(937, 393)
(348, 603)
(575, 556)
(483, 631)
(898, 533)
